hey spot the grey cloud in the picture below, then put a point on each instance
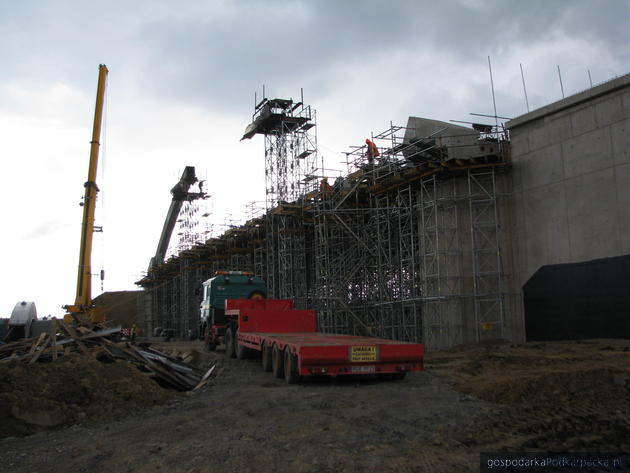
(215, 54)
(217, 60)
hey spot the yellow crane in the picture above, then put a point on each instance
(83, 310)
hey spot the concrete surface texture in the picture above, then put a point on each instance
(571, 180)
(461, 142)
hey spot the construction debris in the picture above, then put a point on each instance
(105, 346)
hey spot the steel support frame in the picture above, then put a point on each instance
(290, 156)
(441, 257)
(488, 277)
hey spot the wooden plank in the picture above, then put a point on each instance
(75, 337)
(115, 344)
(38, 354)
(54, 341)
(205, 379)
(35, 345)
(83, 330)
(133, 354)
(12, 358)
(170, 377)
(167, 376)
(25, 343)
(173, 364)
(100, 333)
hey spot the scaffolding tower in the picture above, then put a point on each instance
(441, 261)
(485, 232)
(290, 160)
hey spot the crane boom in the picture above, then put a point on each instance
(83, 301)
(180, 195)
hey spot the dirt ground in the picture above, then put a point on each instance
(564, 396)
(74, 388)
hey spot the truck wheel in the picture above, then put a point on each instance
(399, 376)
(242, 352)
(277, 362)
(210, 344)
(229, 343)
(267, 363)
(291, 375)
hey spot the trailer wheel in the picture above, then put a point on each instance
(277, 362)
(229, 343)
(291, 375)
(267, 363)
(242, 352)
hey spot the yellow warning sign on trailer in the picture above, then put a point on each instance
(361, 354)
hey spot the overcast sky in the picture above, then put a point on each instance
(181, 91)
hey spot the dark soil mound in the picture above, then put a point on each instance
(72, 389)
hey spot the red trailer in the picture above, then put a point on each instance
(292, 347)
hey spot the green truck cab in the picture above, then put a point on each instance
(225, 285)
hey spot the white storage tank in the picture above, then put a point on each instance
(22, 317)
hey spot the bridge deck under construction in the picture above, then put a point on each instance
(406, 245)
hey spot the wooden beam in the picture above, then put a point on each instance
(75, 337)
(54, 341)
(36, 344)
(39, 353)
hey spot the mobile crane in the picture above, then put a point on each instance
(83, 309)
(180, 195)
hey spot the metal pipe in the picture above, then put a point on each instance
(524, 89)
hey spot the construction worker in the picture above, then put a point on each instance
(134, 331)
(325, 188)
(372, 151)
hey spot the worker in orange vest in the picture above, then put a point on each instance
(372, 151)
(324, 187)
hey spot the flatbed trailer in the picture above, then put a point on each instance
(291, 347)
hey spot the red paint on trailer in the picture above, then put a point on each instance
(270, 316)
(275, 322)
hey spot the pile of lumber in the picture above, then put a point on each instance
(104, 345)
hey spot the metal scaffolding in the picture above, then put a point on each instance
(290, 157)
(406, 245)
(441, 261)
(394, 254)
(488, 277)
(172, 293)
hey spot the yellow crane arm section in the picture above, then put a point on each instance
(83, 300)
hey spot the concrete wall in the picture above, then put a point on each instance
(571, 181)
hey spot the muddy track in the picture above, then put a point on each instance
(435, 421)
